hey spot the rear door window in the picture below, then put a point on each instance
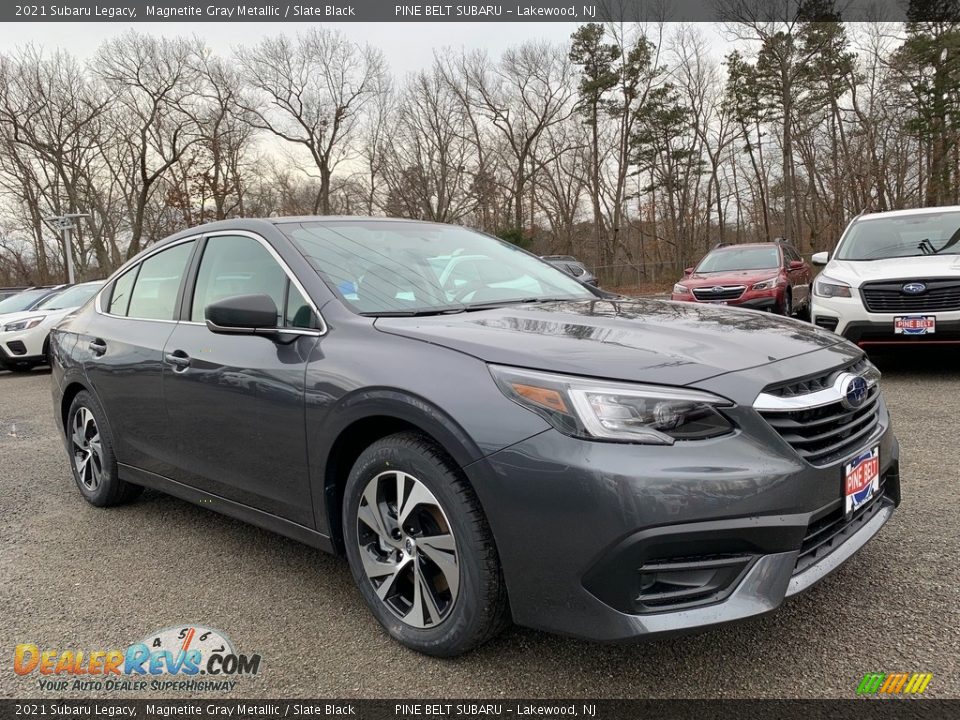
(154, 294)
(120, 296)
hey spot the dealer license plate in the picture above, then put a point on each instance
(861, 479)
(915, 325)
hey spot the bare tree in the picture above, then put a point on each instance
(311, 91)
(154, 82)
(525, 93)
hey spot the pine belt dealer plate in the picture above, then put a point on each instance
(914, 324)
(861, 480)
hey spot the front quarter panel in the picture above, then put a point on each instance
(353, 374)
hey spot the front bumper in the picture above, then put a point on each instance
(592, 535)
(848, 317)
(768, 300)
(22, 346)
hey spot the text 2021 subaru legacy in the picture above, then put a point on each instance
(482, 436)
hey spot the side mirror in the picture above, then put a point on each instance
(687, 271)
(242, 315)
(820, 258)
(797, 264)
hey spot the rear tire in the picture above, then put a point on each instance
(786, 307)
(804, 312)
(420, 548)
(93, 460)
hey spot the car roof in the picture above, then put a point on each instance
(259, 224)
(911, 211)
(740, 246)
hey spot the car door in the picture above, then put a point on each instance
(124, 343)
(236, 402)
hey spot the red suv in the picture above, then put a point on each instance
(764, 276)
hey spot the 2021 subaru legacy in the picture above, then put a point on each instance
(484, 439)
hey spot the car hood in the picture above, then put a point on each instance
(636, 339)
(857, 272)
(48, 315)
(728, 277)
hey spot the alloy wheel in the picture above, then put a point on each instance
(408, 549)
(87, 449)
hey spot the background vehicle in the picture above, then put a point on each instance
(572, 267)
(10, 291)
(28, 299)
(620, 467)
(24, 335)
(760, 276)
(893, 278)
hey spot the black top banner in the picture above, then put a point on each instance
(579, 11)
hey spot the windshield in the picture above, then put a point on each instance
(70, 298)
(387, 267)
(21, 301)
(905, 236)
(748, 258)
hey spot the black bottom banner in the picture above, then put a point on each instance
(881, 709)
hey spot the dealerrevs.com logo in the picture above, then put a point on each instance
(186, 657)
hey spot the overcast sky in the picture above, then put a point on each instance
(407, 46)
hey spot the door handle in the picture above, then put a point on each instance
(98, 346)
(178, 358)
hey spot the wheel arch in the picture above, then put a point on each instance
(73, 388)
(364, 419)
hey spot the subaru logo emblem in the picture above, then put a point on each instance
(914, 288)
(717, 289)
(853, 391)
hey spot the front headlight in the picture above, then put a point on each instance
(625, 412)
(767, 284)
(828, 288)
(24, 324)
(679, 289)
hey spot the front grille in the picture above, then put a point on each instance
(17, 347)
(826, 534)
(813, 383)
(941, 295)
(824, 434)
(720, 292)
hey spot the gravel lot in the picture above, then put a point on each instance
(73, 576)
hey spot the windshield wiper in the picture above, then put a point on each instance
(518, 301)
(423, 312)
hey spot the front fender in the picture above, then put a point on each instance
(388, 408)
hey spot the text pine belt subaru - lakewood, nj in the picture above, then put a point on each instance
(484, 441)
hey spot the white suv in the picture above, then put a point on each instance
(23, 335)
(893, 278)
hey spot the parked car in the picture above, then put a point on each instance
(605, 468)
(11, 291)
(761, 276)
(572, 267)
(28, 299)
(24, 335)
(894, 278)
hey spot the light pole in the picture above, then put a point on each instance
(64, 223)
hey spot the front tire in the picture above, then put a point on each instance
(420, 548)
(92, 456)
